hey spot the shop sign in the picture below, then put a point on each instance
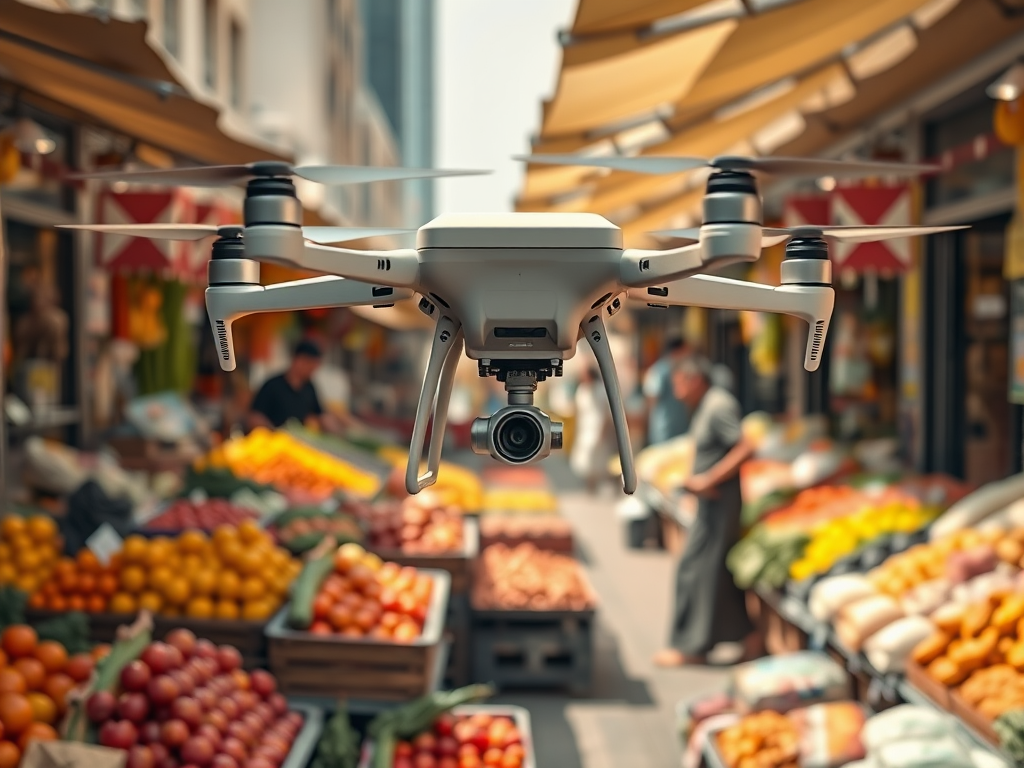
(120, 253)
(1017, 341)
(873, 205)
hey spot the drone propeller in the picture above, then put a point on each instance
(228, 175)
(322, 235)
(782, 166)
(844, 234)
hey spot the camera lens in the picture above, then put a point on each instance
(518, 438)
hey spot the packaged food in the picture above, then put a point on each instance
(830, 734)
(832, 593)
(902, 723)
(783, 683)
(889, 648)
(944, 752)
(860, 620)
(925, 598)
(982, 758)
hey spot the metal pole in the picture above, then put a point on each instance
(3, 367)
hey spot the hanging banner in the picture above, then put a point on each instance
(800, 211)
(120, 253)
(864, 205)
(213, 211)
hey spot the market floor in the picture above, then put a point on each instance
(629, 721)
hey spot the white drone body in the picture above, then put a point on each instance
(515, 291)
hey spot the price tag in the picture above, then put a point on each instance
(105, 542)
(198, 496)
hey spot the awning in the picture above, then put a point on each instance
(603, 16)
(610, 80)
(107, 70)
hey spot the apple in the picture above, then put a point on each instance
(424, 760)
(174, 733)
(136, 676)
(118, 734)
(211, 733)
(447, 747)
(263, 683)
(188, 710)
(149, 733)
(205, 649)
(223, 761)
(161, 657)
(184, 640)
(197, 750)
(133, 707)
(101, 706)
(140, 756)
(228, 658)
(235, 748)
(185, 680)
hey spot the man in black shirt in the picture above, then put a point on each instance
(291, 395)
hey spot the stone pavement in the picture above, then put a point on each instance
(629, 721)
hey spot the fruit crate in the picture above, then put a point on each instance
(535, 649)
(247, 636)
(513, 530)
(304, 746)
(520, 716)
(459, 634)
(359, 668)
(459, 565)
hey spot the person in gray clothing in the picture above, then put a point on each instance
(667, 416)
(709, 607)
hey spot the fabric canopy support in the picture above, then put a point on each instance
(603, 16)
(113, 91)
(611, 81)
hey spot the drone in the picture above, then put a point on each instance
(515, 292)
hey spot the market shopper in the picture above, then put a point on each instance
(591, 449)
(667, 416)
(291, 396)
(709, 607)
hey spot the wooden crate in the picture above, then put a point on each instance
(928, 686)
(359, 668)
(552, 542)
(976, 721)
(535, 649)
(247, 636)
(459, 634)
(458, 565)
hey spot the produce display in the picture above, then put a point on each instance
(553, 533)
(456, 486)
(187, 702)
(531, 579)
(519, 501)
(766, 739)
(303, 528)
(204, 515)
(35, 680)
(353, 593)
(237, 573)
(281, 460)
(419, 525)
(463, 741)
(29, 549)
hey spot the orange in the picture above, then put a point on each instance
(76, 603)
(257, 610)
(250, 532)
(96, 604)
(192, 542)
(250, 562)
(8, 573)
(87, 583)
(106, 584)
(160, 552)
(200, 608)
(32, 670)
(228, 585)
(15, 713)
(19, 640)
(223, 534)
(10, 755)
(27, 582)
(12, 525)
(36, 732)
(134, 549)
(57, 687)
(191, 563)
(37, 602)
(177, 591)
(52, 655)
(159, 578)
(28, 559)
(227, 609)
(87, 561)
(151, 601)
(42, 528)
(171, 612)
(231, 553)
(6, 553)
(252, 589)
(43, 708)
(122, 602)
(204, 582)
(57, 603)
(11, 681)
(133, 579)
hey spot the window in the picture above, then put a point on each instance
(236, 64)
(172, 26)
(210, 42)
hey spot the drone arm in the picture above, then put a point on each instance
(641, 268)
(227, 303)
(285, 245)
(435, 395)
(597, 336)
(811, 303)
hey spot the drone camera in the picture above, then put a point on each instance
(517, 435)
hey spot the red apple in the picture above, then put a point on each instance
(228, 658)
(185, 680)
(218, 720)
(162, 690)
(425, 742)
(118, 734)
(279, 703)
(235, 748)
(174, 733)
(140, 756)
(133, 707)
(101, 706)
(229, 707)
(188, 711)
(444, 724)
(223, 761)
(211, 733)
(135, 676)
(184, 640)
(160, 657)
(205, 649)
(149, 733)
(447, 747)
(197, 750)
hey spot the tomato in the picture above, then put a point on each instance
(10, 755)
(322, 606)
(18, 641)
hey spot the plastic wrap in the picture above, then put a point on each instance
(945, 752)
(783, 683)
(889, 648)
(829, 595)
(902, 723)
(830, 734)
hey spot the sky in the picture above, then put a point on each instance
(497, 60)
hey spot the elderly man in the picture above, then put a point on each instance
(709, 607)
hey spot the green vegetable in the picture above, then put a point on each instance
(300, 612)
(12, 606)
(1010, 729)
(69, 629)
(339, 745)
(218, 483)
(409, 720)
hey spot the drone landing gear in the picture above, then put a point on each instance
(445, 351)
(597, 336)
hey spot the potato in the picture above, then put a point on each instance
(930, 649)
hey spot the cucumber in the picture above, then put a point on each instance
(300, 610)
